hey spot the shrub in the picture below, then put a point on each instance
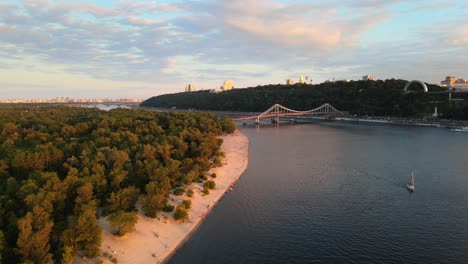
(217, 162)
(210, 184)
(190, 193)
(206, 190)
(227, 125)
(213, 175)
(187, 204)
(180, 214)
(168, 208)
(179, 191)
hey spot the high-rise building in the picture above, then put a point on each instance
(449, 81)
(301, 79)
(228, 85)
(190, 88)
(289, 82)
(368, 77)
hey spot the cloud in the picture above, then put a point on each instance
(140, 21)
(95, 10)
(253, 41)
(458, 36)
(300, 25)
(136, 6)
(135, 33)
(271, 22)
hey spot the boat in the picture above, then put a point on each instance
(463, 129)
(410, 185)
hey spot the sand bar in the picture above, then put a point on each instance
(156, 239)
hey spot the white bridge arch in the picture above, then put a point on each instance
(416, 81)
(278, 110)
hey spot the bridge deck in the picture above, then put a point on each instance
(278, 110)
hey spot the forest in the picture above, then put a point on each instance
(361, 98)
(62, 168)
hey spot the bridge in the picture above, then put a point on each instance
(278, 111)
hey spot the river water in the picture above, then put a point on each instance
(335, 193)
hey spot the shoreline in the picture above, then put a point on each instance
(155, 240)
(447, 124)
(450, 124)
(390, 120)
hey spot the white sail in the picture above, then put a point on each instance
(410, 185)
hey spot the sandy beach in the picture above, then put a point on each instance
(155, 239)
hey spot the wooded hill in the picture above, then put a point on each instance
(374, 98)
(62, 168)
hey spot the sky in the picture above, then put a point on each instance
(139, 49)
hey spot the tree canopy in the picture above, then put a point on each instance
(61, 168)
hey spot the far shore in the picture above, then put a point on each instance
(390, 120)
(156, 239)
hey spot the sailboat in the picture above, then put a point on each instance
(410, 185)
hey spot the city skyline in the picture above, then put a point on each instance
(138, 49)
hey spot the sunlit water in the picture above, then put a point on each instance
(335, 193)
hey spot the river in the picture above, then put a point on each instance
(335, 193)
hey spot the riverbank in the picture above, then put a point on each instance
(441, 123)
(156, 239)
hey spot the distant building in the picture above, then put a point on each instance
(368, 77)
(227, 85)
(460, 85)
(461, 80)
(301, 79)
(190, 88)
(449, 81)
(289, 82)
(216, 90)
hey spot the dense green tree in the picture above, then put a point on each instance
(123, 199)
(154, 199)
(123, 222)
(60, 167)
(88, 232)
(67, 255)
(2, 245)
(33, 239)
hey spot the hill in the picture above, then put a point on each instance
(374, 98)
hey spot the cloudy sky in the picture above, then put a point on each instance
(138, 49)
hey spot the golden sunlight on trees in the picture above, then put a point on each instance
(61, 169)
